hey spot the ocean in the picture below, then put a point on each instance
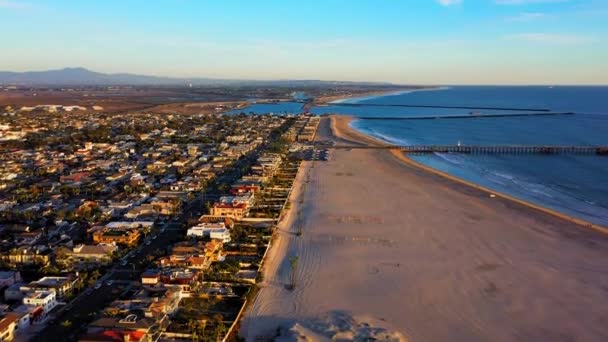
(575, 185)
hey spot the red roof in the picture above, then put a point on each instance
(117, 335)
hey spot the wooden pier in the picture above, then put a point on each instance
(490, 149)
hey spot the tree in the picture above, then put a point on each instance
(203, 326)
(219, 321)
(192, 325)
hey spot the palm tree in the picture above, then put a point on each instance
(192, 328)
(219, 321)
(67, 324)
(203, 326)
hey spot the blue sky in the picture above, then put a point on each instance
(413, 41)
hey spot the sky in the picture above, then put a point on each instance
(400, 41)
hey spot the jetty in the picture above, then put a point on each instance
(345, 104)
(470, 116)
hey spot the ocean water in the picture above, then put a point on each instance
(271, 108)
(576, 185)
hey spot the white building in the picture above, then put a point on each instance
(211, 230)
(222, 234)
(44, 300)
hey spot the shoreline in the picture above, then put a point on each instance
(342, 123)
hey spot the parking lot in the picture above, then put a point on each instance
(316, 154)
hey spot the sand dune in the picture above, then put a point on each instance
(432, 259)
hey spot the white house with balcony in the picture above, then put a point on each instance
(210, 230)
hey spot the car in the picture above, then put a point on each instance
(97, 286)
(109, 283)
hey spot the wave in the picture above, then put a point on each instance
(533, 190)
(372, 132)
(452, 158)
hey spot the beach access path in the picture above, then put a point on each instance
(432, 258)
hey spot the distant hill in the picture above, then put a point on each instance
(82, 76)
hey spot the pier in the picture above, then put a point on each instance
(490, 150)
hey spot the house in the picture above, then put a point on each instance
(244, 198)
(132, 327)
(100, 254)
(150, 277)
(8, 278)
(60, 285)
(42, 302)
(80, 177)
(182, 278)
(166, 207)
(116, 236)
(152, 302)
(13, 292)
(130, 225)
(27, 255)
(210, 230)
(203, 229)
(143, 211)
(8, 326)
(234, 211)
(243, 188)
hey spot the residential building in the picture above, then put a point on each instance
(60, 285)
(211, 230)
(8, 278)
(117, 236)
(44, 301)
(8, 326)
(234, 211)
(26, 255)
(100, 254)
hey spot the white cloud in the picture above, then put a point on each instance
(449, 2)
(552, 38)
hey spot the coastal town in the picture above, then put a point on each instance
(139, 227)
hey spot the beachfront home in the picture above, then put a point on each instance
(235, 211)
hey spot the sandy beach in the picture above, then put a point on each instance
(393, 251)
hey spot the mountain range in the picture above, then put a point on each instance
(82, 76)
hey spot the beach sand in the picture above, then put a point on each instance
(393, 251)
